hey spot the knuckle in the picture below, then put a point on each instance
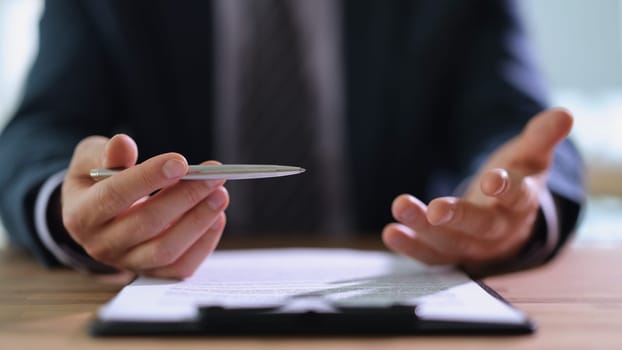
(147, 224)
(74, 222)
(191, 197)
(458, 214)
(163, 255)
(195, 193)
(109, 199)
(100, 250)
(200, 217)
(465, 248)
(148, 179)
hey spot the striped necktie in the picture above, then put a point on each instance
(276, 125)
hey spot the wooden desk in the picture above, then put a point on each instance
(576, 302)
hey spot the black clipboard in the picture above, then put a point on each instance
(324, 308)
(330, 320)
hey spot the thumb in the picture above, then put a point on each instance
(537, 141)
(120, 152)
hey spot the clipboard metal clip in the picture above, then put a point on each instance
(322, 317)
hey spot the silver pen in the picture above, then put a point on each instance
(221, 172)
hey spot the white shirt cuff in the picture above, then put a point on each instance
(549, 211)
(41, 222)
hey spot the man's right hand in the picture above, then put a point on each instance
(119, 222)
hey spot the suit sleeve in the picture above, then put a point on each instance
(67, 96)
(499, 90)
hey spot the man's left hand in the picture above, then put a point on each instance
(495, 218)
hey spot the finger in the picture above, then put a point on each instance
(193, 257)
(404, 240)
(455, 214)
(120, 152)
(408, 210)
(512, 191)
(218, 182)
(143, 222)
(166, 248)
(106, 199)
(96, 152)
(494, 182)
(87, 155)
(413, 213)
(537, 141)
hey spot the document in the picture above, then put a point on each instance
(309, 280)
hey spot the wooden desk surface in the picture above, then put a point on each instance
(576, 302)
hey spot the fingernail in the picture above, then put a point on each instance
(174, 168)
(408, 215)
(216, 200)
(501, 189)
(449, 214)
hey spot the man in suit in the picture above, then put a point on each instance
(419, 97)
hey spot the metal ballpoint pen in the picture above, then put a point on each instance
(221, 172)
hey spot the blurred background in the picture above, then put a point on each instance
(579, 46)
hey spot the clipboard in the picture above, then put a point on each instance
(320, 311)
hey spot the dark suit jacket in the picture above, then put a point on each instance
(431, 88)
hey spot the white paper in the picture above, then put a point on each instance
(310, 279)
